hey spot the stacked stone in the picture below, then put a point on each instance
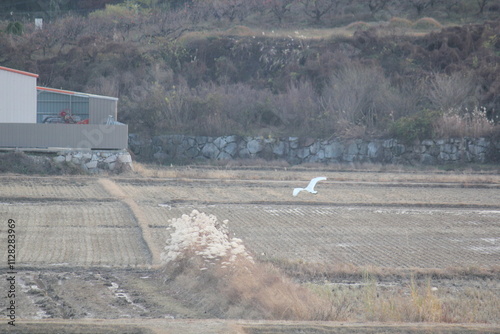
(294, 150)
(95, 161)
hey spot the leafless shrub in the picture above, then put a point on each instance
(208, 109)
(163, 25)
(231, 108)
(358, 96)
(453, 91)
(197, 11)
(107, 86)
(61, 33)
(228, 9)
(407, 98)
(115, 22)
(299, 110)
(169, 105)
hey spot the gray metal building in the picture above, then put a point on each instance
(28, 114)
(17, 96)
(95, 108)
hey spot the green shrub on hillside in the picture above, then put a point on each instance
(418, 126)
(15, 28)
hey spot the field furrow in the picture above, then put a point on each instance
(76, 233)
(330, 192)
(401, 238)
(50, 188)
(362, 224)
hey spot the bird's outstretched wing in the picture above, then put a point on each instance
(296, 191)
(310, 186)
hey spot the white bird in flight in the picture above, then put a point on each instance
(310, 186)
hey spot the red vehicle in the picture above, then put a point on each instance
(65, 117)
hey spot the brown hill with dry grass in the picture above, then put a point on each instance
(175, 74)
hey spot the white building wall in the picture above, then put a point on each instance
(17, 96)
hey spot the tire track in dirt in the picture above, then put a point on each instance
(115, 190)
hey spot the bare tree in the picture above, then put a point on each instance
(450, 5)
(421, 5)
(279, 8)
(377, 5)
(482, 4)
(316, 9)
(163, 25)
(230, 9)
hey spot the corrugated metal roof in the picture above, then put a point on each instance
(68, 92)
(18, 72)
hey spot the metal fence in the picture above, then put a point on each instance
(50, 104)
(74, 136)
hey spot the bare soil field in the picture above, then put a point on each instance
(88, 248)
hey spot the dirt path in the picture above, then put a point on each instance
(115, 191)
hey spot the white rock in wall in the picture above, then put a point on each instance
(279, 149)
(91, 164)
(374, 150)
(231, 149)
(254, 146)
(110, 158)
(60, 158)
(125, 158)
(210, 151)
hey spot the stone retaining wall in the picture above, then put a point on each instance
(96, 161)
(181, 148)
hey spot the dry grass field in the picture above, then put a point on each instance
(393, 250)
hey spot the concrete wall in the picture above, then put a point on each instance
(183, 149)
(76, 136)
(17, 96)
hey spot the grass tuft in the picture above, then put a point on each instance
(358, 25)
(398, 22)
(215, 272)
(427, 23)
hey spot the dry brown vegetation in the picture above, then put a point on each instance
(244, 288)
(275, 68)
(278, 170)
(296, 272)
(250, 291)
(19, 162)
